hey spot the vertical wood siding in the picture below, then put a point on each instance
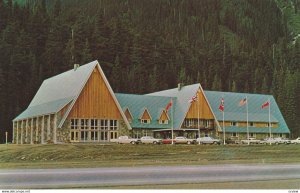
(95, 100)
(205, 112)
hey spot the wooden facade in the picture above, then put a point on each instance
(244, 124)
(146, 115)
(163, 116)
(128, 115)
(204, 110)
(95, 100)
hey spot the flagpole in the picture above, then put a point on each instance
(270, 120)
(199, 133)
(172, 122)
(247, 120)
(223, 128)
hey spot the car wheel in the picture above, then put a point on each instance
(215, 142)
(188, 142)
(154, 142)
(132, 142)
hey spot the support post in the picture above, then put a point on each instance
(14, 133)
(26, 131)
(54, 129)
(42, 130)
(31, 131)
(22, 130)
(37, 129)
(48, 128)
(17, 142)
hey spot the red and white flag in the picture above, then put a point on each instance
(221, 107)
(265, 104)
(169, 105)
(194, 98)
(243, 102)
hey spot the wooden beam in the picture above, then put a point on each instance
(42, 130)
(54, 128)
(31, 131)
(22, 123)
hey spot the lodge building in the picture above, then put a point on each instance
(80, 106)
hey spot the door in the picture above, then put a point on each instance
(74, 136)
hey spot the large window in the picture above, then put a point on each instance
(93, 130)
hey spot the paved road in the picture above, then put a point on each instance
(88, 177)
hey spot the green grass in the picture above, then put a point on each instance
(105, 155)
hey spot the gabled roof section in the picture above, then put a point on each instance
(137, 104)
(127, 111)
(233, 112)
(145, 110)
(57, 91)
(181, 105)
(163, 112)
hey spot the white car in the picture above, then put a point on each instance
(208, 140)
(283, 140)
(295, 140)
(270, 141)
(125, 139)
(183, 140)
(150, 140)
(250, 140)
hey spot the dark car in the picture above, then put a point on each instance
(231, 141)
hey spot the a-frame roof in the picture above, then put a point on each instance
(58, 91)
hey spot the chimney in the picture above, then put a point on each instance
(180, 85)
(76, 66)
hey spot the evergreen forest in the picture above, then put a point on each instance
(248, 46)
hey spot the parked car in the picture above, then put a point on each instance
(184, 140)
(179, 140)
(167, 141)
(125, 139)
(231, 141)
(295, 141)
(283, 140)
(150, 140)
(250, 140)
(208, 140)
(270, 141)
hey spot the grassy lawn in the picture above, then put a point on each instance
(105, 155)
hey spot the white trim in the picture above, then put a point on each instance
(31, 131)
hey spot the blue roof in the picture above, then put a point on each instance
(234, 112)
(137, 105)
(182, 105)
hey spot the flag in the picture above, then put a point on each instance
(194, 98)
(243, 102)
(265, 104)
(221, 107)
(168, 106)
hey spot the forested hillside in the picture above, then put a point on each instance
(143, 46)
